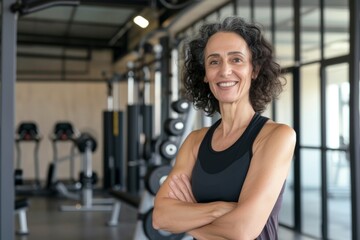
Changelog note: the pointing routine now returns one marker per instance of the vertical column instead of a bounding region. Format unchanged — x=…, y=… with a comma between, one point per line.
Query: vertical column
x=7, y=101
x=157, y=91
x=296, y=91
x=273, y=42
x=165, y=79
x=133, y=133
x=354, y=7
x=133, y=173
x=113, y=149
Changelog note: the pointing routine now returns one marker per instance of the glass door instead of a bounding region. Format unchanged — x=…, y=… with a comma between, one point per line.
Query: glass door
x=337, y=151
x=310, y=150
x=324, y=156
x=284, y=114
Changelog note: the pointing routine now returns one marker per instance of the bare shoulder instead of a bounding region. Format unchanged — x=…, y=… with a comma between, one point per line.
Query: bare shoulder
x=190, y=147
x=194, y=139
x=273, y=129
x=197, y=135
x=276, y=135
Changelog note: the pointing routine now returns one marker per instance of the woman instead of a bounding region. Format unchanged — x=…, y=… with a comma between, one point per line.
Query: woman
x=228, y=180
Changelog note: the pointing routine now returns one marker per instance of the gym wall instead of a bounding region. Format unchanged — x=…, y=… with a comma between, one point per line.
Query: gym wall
x=49, y=101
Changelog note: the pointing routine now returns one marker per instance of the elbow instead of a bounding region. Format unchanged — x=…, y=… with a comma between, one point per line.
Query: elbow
x=159, y=222
x=160, y=218
x=156, y=220
x=155, y=225
x=246, y=233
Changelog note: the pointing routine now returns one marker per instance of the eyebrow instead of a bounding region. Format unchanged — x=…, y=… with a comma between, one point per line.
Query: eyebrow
x=229, y=53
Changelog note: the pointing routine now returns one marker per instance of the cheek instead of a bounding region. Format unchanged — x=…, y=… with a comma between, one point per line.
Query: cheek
x=210, y=74
x=245, y=74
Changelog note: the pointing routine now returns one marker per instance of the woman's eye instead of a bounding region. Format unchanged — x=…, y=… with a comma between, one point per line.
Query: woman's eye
x=213, y=62
x=237, y=60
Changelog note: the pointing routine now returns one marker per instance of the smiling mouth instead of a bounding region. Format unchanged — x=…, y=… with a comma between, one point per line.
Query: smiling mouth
x=226, y=84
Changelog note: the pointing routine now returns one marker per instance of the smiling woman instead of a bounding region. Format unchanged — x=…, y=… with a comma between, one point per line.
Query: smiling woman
x=228, y=180
x=269, y=82
x=228, y=67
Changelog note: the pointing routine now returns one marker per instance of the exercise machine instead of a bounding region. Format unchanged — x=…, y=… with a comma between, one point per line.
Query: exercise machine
x=21, y=207
x=64, y=133
x=27, y=132
x=86, y=145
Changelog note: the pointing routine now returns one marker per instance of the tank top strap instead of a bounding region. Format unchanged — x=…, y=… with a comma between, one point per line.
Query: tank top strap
x=249, y=135
x=243, y=143
x=255, y=126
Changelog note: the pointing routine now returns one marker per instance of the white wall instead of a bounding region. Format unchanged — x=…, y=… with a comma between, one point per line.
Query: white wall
x=81, y=103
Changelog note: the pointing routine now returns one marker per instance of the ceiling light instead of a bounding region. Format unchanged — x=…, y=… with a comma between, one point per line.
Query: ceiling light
x=141, y=21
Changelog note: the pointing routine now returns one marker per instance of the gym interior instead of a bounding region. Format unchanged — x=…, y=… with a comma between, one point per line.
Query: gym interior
x=92, y=112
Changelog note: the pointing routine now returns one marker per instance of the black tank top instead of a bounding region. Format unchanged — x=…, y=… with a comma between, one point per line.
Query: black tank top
x=220, y=175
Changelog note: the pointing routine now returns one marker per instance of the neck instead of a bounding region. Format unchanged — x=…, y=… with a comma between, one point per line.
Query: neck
x=235, y=117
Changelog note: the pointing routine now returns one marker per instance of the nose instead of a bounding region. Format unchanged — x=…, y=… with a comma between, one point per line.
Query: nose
x=226, y=69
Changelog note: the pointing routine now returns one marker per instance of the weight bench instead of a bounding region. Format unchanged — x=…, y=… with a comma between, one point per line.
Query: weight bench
x=21, y=206
x=119, y=197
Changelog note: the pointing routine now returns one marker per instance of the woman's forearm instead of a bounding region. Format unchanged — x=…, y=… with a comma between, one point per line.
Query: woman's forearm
x=222, y=228
x=179, y=211
x=178, y=216
x=202, y=233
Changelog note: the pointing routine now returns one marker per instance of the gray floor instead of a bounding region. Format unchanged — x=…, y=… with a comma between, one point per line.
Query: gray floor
x=45, y=221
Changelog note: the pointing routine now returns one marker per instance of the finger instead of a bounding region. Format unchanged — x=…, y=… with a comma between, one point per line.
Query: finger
x=176, y=191
x=172, y=195
x=183, y=187
x=186, y=181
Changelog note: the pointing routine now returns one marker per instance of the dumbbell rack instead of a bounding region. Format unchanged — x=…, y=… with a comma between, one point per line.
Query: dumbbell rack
x=154, y=177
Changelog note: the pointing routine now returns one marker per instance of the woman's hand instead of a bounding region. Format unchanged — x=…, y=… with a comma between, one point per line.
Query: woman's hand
x=180, y=188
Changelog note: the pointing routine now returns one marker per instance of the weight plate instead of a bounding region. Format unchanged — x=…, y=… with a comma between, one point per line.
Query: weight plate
x=180, y=106
x=174, y=127
x=156, y=176
x=168, y=149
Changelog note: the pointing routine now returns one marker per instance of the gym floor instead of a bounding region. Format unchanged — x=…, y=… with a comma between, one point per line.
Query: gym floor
x=46, y=222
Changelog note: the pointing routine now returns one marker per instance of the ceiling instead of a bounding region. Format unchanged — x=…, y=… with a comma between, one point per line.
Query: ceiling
x=59, y=29
x=89, y=23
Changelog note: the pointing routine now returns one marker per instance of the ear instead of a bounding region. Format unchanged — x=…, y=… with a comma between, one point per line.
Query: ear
x=205, y=80
x=255, y=73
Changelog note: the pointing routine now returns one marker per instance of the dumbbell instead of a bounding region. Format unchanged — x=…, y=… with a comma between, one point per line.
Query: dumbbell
x=155, y=176
x=180, y=106
x=168, y=149
x=174, y=126
x=154, y=234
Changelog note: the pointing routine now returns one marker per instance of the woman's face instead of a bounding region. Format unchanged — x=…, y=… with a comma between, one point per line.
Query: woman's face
x=228, y=67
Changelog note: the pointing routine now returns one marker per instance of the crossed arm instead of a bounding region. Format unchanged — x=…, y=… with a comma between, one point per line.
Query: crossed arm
x=180, y=190
x=176, y=210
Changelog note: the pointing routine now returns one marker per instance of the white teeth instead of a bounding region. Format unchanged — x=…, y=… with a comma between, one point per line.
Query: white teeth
x=227, y=84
